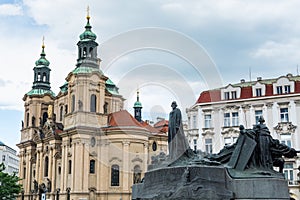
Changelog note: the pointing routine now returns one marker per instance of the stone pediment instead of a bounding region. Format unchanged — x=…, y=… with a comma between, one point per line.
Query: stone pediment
x=285, y=127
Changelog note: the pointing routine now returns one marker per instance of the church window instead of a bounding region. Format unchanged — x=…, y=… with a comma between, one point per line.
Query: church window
x=24, y=172
x=92, y=166
x=84, y=52
x=70, y=167
x=93, y=103
x=46, y=167
x=45, y=117
x=91, y=52
x=39, y=77
x=27, y=119
x=136, y=174
x=59, y=170
x=154, y=146
x=66, y=109
x=115, y=172
x=73, y=103
x=61, y=113
x=44, y=77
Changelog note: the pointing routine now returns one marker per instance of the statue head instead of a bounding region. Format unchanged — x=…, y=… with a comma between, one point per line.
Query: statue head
x=174, y=104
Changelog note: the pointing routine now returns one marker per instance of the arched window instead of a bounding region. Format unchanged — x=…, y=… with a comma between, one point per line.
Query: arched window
x=136, y=174
x=39, y=77
x=61, y=112
x=44, y=77
x=27, y=119
x=91, y=52
x=70, y=167
x=46, y=166
x=73, y=103
x=84, y=52
x=45, y=117
x=115, y=172
x=92, y=166
x=93, y=103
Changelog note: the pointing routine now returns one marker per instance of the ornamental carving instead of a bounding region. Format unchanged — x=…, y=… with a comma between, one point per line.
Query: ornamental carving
x=285, y=127
x=208, y=132
x=229, y=130
x=137, y=159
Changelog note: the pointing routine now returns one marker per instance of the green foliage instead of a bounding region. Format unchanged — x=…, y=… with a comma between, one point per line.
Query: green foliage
x=10, y=188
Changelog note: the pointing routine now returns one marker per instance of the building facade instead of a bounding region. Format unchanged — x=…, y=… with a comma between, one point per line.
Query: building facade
x=9, y=158
x=80, y=143
x=213, y=121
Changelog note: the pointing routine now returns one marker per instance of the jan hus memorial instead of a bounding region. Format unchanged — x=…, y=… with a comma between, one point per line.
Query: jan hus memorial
x=241, y=171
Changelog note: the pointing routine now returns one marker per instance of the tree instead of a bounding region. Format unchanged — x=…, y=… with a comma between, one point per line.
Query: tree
x=9, y=186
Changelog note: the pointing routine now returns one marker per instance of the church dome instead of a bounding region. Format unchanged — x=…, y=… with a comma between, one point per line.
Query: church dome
x=88, y=34
x=137, y=104
x=42, y=60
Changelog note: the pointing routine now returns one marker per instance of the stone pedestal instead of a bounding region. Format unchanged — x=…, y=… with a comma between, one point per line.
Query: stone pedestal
x=206, y=182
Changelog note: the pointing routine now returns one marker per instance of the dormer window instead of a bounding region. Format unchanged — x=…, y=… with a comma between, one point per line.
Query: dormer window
x=287, y=89
x=226, y=95
x=233, y=95
x=279, y=89
x=258, y=92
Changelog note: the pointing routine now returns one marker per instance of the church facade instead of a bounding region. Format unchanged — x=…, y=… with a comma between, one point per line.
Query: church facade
x=81, y=143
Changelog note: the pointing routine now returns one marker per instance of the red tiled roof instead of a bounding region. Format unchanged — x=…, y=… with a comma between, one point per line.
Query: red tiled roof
x=162, y=126
x=149, y=127
x=269, y=89
x=297, y=86
x=246, y=92
x=122, y=118
x=209, y=96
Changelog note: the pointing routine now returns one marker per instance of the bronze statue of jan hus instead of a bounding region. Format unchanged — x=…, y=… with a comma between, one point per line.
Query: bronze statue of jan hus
x=255, y=149
x=177, y=141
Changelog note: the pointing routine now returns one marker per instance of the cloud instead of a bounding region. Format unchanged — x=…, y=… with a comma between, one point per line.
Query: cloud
x=279, y=50
x=10, y=10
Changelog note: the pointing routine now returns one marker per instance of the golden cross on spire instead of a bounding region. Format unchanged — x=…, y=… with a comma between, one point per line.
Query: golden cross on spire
x=88, y=13
x=43, y=45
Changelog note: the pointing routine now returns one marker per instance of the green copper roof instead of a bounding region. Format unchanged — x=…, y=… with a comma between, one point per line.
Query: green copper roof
x=40, y=92
x=85, y=70
x=88, y=35
x=109, y=82
x=113, y=91
x=64, y=87
x=137, y=104
x=111, y=87
x=42, y=60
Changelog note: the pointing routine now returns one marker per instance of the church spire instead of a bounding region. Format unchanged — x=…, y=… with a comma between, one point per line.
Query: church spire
x=138, y=107
x=87, y=46
x=41, y=82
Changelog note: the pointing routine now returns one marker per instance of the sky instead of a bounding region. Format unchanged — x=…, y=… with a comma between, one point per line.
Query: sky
x=168, y=49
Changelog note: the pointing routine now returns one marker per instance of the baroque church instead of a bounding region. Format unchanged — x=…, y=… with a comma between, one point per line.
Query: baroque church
x=81, y=143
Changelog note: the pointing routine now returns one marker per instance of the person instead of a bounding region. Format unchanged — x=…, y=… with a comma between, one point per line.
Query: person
x=177, y=143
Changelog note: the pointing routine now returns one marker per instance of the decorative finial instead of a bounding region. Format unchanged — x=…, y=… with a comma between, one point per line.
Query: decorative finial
x=88, y=13
x=43, y=45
